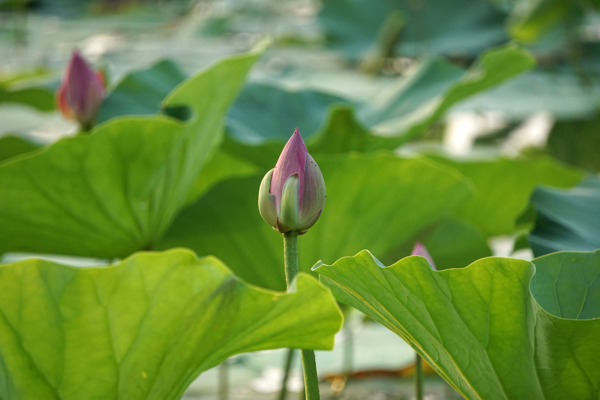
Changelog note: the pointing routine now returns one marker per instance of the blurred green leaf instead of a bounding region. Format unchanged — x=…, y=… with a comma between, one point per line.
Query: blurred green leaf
x=566, y=219
x=118, y=189
x=481, y=328
x=454, y=243
x=530, y=20
x=40, y=98
x=576, y=143
x=560, y=92
x=141, y=92
x=447, y=27
x=11, y=146
x=375, y=201
x=144, y=328
x=503, y=187
x=410, y=106
x=265, y=112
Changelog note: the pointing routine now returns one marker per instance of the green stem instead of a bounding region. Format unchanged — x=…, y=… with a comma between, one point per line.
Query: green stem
x=289, y=359
x=309, y=366
x=418, y=377
x=348, y=360
x=223, y=372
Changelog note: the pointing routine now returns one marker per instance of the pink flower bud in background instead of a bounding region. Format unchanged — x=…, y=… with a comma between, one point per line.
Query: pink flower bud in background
x=420, y=250
x=292, y=195
x=81, y=92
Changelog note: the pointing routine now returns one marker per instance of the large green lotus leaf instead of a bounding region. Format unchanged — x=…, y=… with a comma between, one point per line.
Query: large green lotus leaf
x=531, y=20
x=28, y=88
x=448, y=27
x=454, y=243
x=576, y=143
x=566, y=219
x=503, y=188
x=481, y=328
x=405, y=111
x=558, y=91
x=115, y=191
x=411, y=108
x=265, y=112
x=145, y=327
x=14, y=145
x=37, y=97
x=376, y=200
x=141, y=92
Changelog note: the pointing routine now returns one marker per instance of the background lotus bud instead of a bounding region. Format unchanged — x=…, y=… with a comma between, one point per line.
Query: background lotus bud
x=81, y=92
x=292, y=195
x=420, y=250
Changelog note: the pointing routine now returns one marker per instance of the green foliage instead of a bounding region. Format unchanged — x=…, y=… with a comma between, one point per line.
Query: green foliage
x=503, y=187
x=566, y=219
x=577, y=143
x=115, y=191
x=489, y=330
x=12, y=145
x=439, y=86
x=286, y=109
x=445, y=27
x=454, y=243
x=406, y=111
x=141, y=92
x=144, y=328
x=377, y=201
x=39, y=98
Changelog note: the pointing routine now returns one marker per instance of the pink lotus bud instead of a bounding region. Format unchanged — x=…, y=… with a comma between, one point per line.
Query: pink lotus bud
x=81, y=92
x=292, y=195
x=420, y=250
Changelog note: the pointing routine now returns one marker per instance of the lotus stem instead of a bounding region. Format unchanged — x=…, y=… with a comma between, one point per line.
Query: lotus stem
x=418, y=377
x=223, y=372
x=309, y=366
x=289, y=359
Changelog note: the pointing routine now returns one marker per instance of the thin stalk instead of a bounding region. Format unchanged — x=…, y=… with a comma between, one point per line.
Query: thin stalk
x=289, y=359
x=309, y=366
x=418, y=377
x=348, y=360
x=223, y=372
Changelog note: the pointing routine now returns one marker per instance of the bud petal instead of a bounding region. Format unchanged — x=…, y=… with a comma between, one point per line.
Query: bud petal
x=291, y=161
x=81, y=92
x=297, y=188
x=266, y=201
x=421, y=250
x=314, y=194
x=289, y=212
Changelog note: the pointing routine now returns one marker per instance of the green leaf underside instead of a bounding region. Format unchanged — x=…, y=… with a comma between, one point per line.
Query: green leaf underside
x=144, y=328
x=566, y=219
x=409, y=108
x=503, y=187
x=264, y=112
x=141, y=92
x=480, y=327
x=115, y=191
x=374, y=200
x=449, y=27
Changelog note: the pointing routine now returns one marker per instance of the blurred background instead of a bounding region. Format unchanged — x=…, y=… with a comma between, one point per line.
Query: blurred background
x=361, y=53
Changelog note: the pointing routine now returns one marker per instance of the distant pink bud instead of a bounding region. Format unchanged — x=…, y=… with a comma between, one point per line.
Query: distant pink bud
x=81, y=92
x=292, y=195
x=421, y=250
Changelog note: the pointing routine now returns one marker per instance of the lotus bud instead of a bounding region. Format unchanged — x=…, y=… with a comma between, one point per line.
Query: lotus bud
x=420, y=250
x=292, y=195
x=81, y=92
